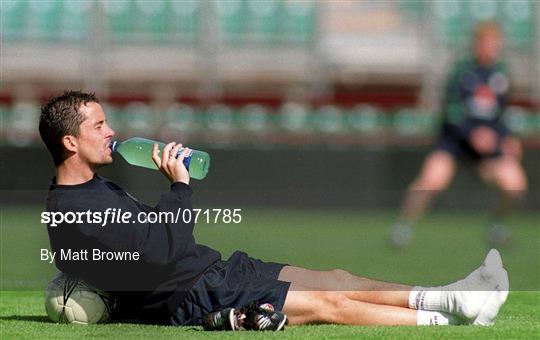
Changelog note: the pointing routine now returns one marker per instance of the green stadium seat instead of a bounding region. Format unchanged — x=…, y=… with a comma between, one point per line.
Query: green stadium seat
x=365, y=119
x=412, y=122
x=232, y=19
x=294, y=117
x=329, y=119
x=75, y=19
x=42, y=19
x=150, y=19
x=481, y=10
x=254, y=118
x=120, y=17
x=22, y=124
x=412, y=8
x=517, y=119
x=13, y=18
x=140, y=120
x=182, y=117
x=298, y=21
x=452, y=20
x=220, y=117
x=262, y=20
x=185, y=19
x=517, y=21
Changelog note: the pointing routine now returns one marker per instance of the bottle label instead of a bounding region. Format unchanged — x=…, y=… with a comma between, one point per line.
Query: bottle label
x=187, y=159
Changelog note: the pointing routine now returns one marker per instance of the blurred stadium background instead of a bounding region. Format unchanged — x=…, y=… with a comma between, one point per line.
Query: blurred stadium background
x=344, y=90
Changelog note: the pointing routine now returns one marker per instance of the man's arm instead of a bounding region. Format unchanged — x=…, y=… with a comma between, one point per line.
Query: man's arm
x=159, y=243
x=168, y=242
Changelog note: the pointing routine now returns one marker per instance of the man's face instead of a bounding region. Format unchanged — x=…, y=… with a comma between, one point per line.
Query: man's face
x=94, y=136
x=488, y=47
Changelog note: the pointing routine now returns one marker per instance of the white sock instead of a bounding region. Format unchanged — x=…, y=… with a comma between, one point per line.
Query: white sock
x=465, y=298
x=430, y=318
x=423, y=298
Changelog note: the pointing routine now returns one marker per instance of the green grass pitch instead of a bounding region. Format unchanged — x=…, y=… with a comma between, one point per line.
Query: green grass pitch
x=446, y=247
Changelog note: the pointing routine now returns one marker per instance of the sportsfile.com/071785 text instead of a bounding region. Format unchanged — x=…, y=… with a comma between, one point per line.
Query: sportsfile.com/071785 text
x=113, y=215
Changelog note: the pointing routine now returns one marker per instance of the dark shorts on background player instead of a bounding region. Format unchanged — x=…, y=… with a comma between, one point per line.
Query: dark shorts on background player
x=461, y=149
x=232, y=283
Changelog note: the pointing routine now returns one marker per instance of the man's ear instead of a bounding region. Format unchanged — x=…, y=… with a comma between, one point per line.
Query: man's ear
x=70, y=143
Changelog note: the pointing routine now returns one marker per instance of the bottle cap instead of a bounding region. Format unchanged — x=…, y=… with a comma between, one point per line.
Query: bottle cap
x=113, y=145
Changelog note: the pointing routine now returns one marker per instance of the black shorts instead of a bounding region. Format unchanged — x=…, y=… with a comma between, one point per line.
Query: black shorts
x=232, y=283
x=461, y=149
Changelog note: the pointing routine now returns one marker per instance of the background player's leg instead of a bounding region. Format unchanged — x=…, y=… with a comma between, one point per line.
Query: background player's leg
x=303, y=306
x=352, y=286
x=508, y=175
x=437, y=172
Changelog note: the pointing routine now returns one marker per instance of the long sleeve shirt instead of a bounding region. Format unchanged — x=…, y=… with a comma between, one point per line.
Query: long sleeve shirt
x=169, y=261
x=475, y=95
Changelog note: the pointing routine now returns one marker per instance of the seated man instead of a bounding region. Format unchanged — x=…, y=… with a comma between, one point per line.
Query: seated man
x=168, y=278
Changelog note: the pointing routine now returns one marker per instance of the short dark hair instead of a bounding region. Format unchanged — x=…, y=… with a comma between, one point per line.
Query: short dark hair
x=488, y=26
x=61, y=116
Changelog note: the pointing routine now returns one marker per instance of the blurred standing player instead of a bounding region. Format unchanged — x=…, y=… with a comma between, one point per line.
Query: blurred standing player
x=473, y=132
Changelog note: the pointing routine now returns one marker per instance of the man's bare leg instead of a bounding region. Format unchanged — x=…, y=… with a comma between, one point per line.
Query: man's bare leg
x=352, y=286
x=507, y=174
x=474, y=299
x=436, y=174
x=304, y=306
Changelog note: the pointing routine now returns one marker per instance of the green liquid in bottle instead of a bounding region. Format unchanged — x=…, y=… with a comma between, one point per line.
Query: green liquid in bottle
x=138, y=151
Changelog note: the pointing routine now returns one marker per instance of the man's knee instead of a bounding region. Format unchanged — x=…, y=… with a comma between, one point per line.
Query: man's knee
x=511, y=179
x=430, y=183
x=316, y=307
x=514, y=189
x=436, y=174
x=333, y=302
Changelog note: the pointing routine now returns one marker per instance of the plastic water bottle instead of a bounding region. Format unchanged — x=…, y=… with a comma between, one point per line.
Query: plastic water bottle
x=138, y=151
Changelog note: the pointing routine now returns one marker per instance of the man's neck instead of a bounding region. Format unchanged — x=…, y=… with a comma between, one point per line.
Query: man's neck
x=73, y=173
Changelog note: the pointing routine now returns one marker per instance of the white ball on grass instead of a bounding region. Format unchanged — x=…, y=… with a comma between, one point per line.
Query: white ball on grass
x=72, y=300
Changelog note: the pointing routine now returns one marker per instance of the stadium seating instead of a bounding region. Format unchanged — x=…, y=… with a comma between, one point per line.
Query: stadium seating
x=220, y=118
x=243, y=21
x=120, y=18
x=455, y=19
x=365, y=119
x=329, y=119
x=181, y=117
x=74, y=20
x=42, y=18
x=299, y=21
x=263, y=20
x=255, y=118
x=413, y=122
x=256, y=26
x=238, y=21
x=197, y=123
x=294, y=117
x=21, y=124
x=185, y=20
x=518, y=22
x=13, y=19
